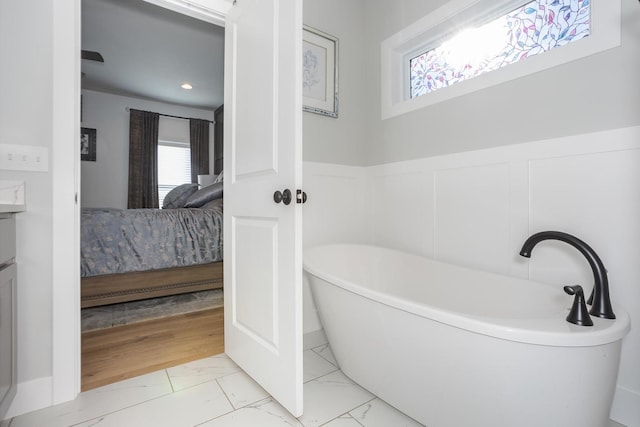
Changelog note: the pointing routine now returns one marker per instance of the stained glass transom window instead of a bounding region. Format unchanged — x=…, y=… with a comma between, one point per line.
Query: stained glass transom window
x=529, y=30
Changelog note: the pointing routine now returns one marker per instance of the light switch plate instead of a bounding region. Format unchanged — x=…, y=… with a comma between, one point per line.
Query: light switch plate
x=24, y=158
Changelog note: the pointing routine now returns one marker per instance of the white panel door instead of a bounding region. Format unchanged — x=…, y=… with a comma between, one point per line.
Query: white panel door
x=263, y=154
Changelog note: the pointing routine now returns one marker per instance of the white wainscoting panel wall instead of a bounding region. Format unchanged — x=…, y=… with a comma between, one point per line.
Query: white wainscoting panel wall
x=399, y=197
x=334, y=213
x=465, y=198
x=335, y=209
x=477, y=208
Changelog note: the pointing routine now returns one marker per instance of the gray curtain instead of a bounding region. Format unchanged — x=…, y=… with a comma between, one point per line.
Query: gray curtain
x=199, y=140
x=143, y=159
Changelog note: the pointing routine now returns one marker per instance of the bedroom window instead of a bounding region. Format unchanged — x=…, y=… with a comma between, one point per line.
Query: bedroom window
x=465, y=46
x=174, y=166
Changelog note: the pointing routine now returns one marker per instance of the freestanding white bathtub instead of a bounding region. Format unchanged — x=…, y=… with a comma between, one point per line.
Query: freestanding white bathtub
x=456, y=347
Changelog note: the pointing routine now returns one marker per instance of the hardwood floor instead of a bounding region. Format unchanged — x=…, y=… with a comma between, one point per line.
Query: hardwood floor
x=122, y=352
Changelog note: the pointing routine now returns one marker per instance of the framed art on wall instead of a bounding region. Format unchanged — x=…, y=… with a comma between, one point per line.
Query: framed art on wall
x=88, y=144
x=319, y=72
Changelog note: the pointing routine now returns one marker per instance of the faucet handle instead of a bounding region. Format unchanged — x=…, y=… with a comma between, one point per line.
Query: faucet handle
x=579, y=315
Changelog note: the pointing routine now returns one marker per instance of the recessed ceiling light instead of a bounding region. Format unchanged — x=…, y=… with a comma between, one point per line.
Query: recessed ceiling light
x=186, y=86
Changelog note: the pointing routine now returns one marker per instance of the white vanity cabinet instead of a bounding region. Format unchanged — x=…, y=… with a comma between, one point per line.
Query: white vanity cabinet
x=8, y=292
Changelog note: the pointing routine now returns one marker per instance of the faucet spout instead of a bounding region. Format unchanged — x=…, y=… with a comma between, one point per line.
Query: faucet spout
x=601, y=301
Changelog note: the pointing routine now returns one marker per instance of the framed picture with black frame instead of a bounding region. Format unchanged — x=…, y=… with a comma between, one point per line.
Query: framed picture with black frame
x=88, y=144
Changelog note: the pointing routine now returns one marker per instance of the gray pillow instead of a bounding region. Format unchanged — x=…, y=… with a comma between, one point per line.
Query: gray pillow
x=214, y=204
x=177, y=197
x=204, y=195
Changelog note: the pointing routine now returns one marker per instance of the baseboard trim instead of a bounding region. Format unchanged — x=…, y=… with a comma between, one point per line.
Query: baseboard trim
x=31, y=396
x=626, y=407
x=314, y=339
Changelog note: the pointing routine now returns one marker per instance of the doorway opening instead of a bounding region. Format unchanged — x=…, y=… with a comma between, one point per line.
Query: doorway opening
x=136, y=55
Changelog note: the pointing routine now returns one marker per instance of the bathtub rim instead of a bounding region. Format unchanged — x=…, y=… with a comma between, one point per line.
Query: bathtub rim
x=551, y=330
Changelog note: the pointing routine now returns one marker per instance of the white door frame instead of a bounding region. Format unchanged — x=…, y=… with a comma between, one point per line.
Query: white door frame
x=65, y=164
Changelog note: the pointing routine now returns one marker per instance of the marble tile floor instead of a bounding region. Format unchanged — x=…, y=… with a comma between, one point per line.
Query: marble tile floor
x=215, y=392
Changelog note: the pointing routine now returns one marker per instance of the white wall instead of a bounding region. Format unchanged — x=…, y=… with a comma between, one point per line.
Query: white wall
x=595, y=93
x=340, y=140
x=477, y=208
x=332, y=142
x=36, y=108
x=333, y=213
x=104, y=182
x=26, y=118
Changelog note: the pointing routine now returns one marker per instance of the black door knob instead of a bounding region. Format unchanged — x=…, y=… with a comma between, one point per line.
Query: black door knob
x=284, y=197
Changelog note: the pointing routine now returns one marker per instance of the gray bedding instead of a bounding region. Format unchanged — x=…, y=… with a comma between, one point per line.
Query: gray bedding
x=119, y=241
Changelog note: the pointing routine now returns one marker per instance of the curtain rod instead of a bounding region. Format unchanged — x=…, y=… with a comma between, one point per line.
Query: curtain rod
x=170, y=115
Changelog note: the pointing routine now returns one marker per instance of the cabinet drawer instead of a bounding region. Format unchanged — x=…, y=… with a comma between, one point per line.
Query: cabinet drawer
x=7, y=238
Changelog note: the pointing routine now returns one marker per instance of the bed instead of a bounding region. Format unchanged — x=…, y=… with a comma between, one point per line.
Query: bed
x=133, y=254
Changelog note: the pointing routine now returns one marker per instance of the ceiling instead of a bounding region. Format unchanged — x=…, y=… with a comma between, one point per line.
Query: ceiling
x=150, y=51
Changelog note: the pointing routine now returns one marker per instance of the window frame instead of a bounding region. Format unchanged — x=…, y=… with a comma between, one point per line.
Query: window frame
x=431, y=30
